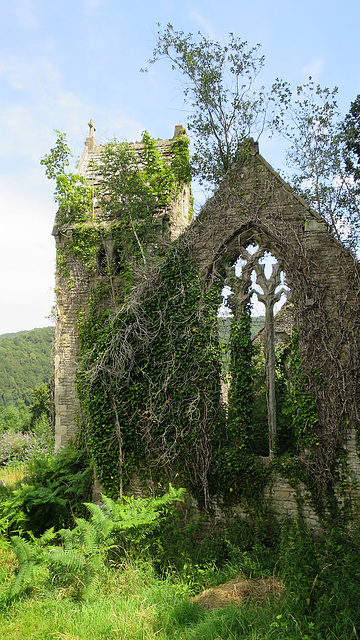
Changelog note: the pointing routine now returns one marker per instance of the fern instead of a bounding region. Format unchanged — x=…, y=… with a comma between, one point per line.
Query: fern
x=24, y=579
x=135, y=519
x=33, y=561
x=55, y=493
x=23, y=549
x=70, y=559
x=78, y=561
x=137, y=512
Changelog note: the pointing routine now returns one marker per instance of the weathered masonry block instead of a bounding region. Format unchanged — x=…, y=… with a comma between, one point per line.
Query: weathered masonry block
x=75, y=282
x=253, y=206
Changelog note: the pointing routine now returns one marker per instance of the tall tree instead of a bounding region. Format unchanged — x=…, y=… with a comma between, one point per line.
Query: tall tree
x=219, y=87
x=317, y=155
x=219, y=84
x=351, y=130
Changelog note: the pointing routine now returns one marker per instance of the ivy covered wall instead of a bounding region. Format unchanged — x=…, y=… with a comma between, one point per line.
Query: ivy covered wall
x=255, y=206
x=138, y=336
x=116, y=216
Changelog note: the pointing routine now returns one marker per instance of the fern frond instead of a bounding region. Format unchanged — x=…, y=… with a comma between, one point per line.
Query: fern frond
x=23, y=549
x=71, y=560
x=24, y=579
x=137, y=512
x=47, y=537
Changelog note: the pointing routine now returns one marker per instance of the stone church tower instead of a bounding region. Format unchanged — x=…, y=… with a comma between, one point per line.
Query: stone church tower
x=76, y=281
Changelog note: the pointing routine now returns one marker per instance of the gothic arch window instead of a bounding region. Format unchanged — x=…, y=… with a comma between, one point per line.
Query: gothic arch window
x=257, y=278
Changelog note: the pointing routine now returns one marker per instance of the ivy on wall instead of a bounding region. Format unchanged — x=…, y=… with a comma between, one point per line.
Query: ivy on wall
x=149, y=385
x=238, y=471
x=150, y=380
x=150, y=363
x=305, y=417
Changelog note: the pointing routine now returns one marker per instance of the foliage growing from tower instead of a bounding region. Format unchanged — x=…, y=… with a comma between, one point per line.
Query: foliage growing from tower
x=219, y=87
x=135, y=186
x=72, y=192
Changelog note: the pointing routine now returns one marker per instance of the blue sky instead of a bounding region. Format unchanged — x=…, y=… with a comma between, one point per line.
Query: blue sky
x=62, y=63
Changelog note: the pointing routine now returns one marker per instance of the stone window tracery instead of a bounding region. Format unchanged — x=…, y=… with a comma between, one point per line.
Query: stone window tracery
x=259, y=275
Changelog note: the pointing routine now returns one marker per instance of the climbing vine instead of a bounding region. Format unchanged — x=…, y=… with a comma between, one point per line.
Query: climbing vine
x=149, y=356
x=150, y=380
x=238, y=472
x=305, y=416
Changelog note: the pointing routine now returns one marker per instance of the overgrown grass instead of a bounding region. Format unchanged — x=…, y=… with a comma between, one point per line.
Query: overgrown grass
x=12, y=474
x=321, y=598
x=131, y=571
x=131, y=603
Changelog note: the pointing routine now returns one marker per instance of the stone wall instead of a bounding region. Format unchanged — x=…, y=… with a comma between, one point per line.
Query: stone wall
x=73, y=291
x=283, y=498
x=253, y=204
x=68, y=302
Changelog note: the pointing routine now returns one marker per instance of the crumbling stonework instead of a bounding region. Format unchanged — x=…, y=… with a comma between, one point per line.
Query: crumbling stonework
x=74, y=289
x=255, y=206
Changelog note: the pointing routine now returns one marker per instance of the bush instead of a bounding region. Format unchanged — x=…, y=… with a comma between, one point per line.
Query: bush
x=54, y=494
x=79, y=560
x=16, y=446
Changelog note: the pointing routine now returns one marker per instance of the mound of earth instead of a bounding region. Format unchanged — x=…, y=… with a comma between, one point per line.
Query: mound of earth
x=241, y=589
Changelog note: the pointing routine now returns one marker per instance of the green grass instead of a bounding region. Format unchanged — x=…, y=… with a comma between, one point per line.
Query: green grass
x=13, y=474
x=130, y=601
x=141, y=582
x=132, y=604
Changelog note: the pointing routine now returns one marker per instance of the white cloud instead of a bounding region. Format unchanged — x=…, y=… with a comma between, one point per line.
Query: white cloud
x=313, y=69
x=27, y=256
x=29, y=74
x=25, y=12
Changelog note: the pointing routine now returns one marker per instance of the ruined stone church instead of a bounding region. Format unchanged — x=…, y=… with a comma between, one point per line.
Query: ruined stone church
x=253, y=213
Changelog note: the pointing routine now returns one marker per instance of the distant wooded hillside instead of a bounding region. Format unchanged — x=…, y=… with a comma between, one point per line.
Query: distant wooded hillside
x=26, y=360
x=25, y=363
x=224, y=323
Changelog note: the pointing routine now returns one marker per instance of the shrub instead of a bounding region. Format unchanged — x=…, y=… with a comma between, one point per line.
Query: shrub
x=16, y=446
x=53, y=495
x=75, y=564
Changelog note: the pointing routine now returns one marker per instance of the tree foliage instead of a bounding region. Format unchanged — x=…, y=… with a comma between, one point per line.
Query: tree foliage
x=227, y=106
x=219, y=87
x=57, y=159
x=351, y=130
x=72, y=192
x=25, y=363
x=40, y=404
x=318, y=155
x=15, y=417
x=137, y=184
